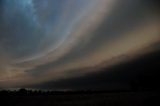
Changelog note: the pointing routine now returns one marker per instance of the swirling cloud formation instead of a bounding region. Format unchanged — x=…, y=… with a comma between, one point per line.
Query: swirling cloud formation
x=43, y=40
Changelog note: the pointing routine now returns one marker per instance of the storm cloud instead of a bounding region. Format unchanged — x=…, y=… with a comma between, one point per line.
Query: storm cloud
x=53, y=40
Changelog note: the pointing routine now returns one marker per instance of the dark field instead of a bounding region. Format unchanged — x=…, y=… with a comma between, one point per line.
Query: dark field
x=84, y=99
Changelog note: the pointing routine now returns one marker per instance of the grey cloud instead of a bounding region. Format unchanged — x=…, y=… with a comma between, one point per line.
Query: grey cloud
x=126, y=16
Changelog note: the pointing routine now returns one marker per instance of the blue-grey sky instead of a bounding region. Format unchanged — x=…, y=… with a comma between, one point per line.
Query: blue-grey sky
x=45, y=40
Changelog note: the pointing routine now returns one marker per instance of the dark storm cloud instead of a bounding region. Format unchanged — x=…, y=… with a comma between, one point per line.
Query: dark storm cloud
x=126, y=16
x=142, y=71
x=69, y=42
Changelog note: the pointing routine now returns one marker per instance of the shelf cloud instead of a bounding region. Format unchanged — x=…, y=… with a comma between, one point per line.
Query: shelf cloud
x=45, y=40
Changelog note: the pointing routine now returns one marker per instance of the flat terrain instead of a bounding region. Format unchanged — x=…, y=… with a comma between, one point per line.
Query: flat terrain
x=85, y=99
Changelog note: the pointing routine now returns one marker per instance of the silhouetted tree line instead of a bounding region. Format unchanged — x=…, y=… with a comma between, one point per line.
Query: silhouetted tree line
x=25, y=92
x=136, y=85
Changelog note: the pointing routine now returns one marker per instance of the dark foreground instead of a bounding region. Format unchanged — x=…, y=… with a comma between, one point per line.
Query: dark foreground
x=84, y=99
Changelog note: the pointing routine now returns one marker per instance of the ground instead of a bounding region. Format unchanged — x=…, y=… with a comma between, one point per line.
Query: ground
x=85, y=99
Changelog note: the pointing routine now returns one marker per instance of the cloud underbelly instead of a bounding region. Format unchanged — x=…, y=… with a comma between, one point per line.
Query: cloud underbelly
x=46, y=39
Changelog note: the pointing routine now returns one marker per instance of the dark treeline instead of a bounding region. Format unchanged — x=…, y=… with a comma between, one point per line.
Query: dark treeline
x=26, y=92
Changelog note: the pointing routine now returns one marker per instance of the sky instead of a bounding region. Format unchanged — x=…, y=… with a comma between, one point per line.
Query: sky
x=60, y=42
